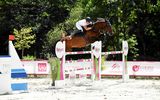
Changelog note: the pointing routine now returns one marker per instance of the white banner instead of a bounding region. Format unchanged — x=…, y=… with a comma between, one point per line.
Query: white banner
x=137, y=68
x=112, y=68
x=144, y=68
x=36, y=67
x=78, y=67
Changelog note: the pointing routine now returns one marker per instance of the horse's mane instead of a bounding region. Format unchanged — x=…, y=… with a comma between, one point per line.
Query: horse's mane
x=100, y=20
x=103, y=20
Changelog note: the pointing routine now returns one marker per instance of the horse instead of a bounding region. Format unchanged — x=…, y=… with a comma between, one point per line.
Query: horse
x=101, y=27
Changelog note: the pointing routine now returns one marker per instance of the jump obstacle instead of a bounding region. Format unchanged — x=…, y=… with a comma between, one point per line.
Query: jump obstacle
x=80, y=66
x=11, y=69
x=96, y=52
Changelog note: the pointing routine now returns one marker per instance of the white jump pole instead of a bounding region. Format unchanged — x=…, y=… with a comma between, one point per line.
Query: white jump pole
x=62, y=73
x=60, y=53
x=96, y=51
x=124, y=53
x=125, y=75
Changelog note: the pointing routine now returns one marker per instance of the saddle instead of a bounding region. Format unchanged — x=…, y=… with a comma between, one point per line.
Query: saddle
x=75, y=33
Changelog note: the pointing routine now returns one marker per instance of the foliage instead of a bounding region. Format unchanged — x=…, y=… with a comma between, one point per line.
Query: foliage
x=29, y=57
x=55, y=66
x=56, y=32
x=129, y=19
x=23, y=38
x=136, y=21
x=120, y=17
x=103, y=61
x=41, y=15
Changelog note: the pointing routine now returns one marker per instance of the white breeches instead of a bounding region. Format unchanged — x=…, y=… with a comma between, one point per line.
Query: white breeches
x=79, y=27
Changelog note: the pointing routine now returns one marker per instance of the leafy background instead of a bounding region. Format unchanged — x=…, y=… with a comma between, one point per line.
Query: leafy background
x=136, y=21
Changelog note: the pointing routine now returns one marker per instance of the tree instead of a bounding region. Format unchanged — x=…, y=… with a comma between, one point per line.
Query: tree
x=136, y=21
x=55, y=33
x=41, y=15
x=121, y=14
x=23, y=39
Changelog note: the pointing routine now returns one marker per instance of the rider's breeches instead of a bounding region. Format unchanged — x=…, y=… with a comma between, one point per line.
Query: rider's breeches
x=79, y=27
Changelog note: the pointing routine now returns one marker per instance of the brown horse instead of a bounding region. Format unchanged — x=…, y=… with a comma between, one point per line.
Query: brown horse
x=100, y=27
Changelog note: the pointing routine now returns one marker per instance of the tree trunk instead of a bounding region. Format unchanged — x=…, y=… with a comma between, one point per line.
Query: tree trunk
x=22, y=53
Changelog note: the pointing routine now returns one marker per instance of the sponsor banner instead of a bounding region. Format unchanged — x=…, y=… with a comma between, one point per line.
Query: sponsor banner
x=29, y=66
x=112, y=68
x=144, y=68
x=36, y=67
x=78, y=67
x=137, y=68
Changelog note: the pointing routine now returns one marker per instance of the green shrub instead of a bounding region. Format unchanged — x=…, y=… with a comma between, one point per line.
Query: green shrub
x=55, y=69
x=29, y=57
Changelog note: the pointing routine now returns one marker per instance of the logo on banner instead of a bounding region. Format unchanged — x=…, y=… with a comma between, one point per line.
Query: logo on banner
x=135, y=68
x=42, y=67
x=60, y=49
x=125, y=47
x=114, y=66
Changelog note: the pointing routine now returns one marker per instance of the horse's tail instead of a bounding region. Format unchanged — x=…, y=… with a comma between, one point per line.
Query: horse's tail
x=63, y=34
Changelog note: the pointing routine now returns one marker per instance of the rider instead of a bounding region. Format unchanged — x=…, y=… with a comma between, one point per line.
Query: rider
x=84, y=23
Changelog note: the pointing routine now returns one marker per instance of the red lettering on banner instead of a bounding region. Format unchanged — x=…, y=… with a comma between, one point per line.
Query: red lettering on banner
x=136, y=68
x=115, y=66
x=42, y=67
x=147, y=68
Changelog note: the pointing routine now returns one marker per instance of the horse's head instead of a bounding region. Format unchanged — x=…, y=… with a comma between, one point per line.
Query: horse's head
x=103, y=26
